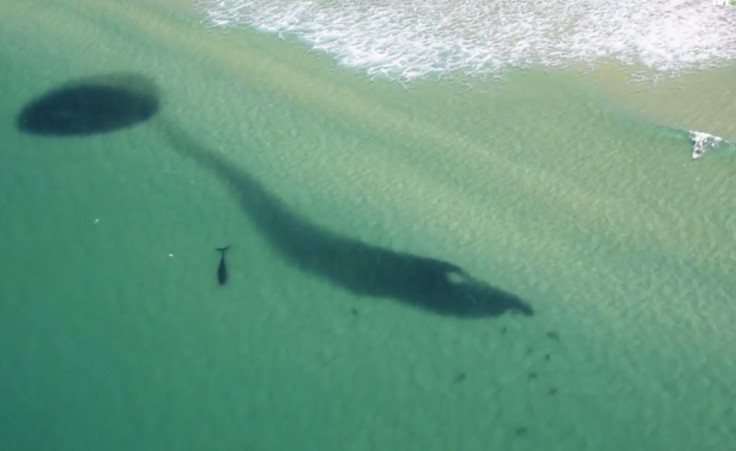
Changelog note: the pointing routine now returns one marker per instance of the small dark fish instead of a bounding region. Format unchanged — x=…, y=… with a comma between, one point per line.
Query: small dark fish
x=460, y=377
x=355, y=311
x=553, y=336
x=222, y=269
x=552, y=391
x=529, y=350
x=521, y=431
x=503, y=330
x=532, y=376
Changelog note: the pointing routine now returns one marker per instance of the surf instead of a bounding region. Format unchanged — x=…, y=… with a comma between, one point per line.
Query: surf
x=412, y=40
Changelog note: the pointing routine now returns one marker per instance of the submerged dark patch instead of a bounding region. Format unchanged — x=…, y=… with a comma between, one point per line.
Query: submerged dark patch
x=363, y=269
x=89, y=106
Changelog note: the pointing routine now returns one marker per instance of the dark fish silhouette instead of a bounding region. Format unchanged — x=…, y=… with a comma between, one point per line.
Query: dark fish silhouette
x=222, y=269
x=360, y=268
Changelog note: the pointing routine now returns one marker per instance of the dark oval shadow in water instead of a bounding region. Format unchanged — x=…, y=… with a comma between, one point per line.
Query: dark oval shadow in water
x=98, y=104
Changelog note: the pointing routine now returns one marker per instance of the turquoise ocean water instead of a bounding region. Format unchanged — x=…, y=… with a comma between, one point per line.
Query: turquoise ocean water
x=343, y=150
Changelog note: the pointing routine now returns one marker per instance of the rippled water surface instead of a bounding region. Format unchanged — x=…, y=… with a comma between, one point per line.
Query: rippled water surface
x=518, y=262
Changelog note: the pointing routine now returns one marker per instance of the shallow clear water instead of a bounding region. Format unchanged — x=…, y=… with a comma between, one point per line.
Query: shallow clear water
x=116, y=334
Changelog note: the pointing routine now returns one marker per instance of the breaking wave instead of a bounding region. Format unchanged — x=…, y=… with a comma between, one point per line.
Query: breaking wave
x=703, y=142
x=409, y=39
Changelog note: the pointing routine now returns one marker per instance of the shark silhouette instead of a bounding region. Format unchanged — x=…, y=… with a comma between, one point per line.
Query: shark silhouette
x=363, y=269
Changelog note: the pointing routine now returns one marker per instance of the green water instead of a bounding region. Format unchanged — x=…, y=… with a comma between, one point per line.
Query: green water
x=116, y=335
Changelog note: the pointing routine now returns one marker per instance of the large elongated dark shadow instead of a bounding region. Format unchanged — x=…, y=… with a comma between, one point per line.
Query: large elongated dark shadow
x=435, y=285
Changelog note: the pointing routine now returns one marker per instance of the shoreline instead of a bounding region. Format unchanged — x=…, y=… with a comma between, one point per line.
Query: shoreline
x=698, y=100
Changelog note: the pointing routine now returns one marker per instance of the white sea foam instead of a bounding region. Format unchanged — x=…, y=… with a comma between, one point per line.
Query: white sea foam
x=702, y=142
x=407, y=39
